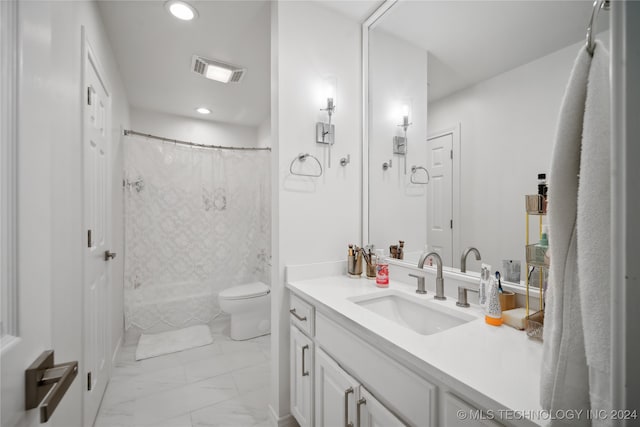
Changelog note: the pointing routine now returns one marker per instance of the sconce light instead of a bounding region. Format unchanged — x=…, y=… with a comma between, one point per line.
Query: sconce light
x=400, y=142
x=325, y=132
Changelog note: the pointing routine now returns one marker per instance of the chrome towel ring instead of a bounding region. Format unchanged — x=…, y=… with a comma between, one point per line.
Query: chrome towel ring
x=301, y=158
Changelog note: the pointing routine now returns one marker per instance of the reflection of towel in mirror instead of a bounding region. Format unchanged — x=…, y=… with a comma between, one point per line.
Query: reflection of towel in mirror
x=594, y=232
x=564, y=383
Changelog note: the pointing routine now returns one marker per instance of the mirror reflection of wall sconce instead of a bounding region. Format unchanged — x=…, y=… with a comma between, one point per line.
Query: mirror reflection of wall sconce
x=325, y=132
x=386, y=165
x=400, y=143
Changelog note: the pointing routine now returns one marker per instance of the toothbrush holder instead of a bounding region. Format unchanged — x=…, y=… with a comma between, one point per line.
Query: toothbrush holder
x=354, y=265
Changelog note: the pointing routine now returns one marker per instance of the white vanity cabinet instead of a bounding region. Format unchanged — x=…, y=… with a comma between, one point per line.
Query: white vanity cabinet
x=340, y=400
x=371, y=413
x=336, y=393
x=301, y=355
x=453, y=408
x=355, y=382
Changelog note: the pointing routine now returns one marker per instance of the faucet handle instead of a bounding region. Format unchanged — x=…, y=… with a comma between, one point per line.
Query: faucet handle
x=421, y=281
x=462, y=296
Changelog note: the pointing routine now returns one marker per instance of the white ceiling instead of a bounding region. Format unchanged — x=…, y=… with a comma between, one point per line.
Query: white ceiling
x=470, y=41
x=358, y=10
x=153, y=50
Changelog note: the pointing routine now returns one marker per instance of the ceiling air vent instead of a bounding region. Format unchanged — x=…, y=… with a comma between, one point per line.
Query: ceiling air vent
x=217, y=70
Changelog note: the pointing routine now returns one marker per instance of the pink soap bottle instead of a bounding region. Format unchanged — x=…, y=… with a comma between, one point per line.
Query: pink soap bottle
x=382, y=270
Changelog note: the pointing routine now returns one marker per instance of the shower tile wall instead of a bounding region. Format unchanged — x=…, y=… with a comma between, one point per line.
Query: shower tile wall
x=223, y=384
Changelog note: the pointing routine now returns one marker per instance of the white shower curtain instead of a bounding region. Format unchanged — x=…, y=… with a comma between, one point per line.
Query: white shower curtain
x=192, y=215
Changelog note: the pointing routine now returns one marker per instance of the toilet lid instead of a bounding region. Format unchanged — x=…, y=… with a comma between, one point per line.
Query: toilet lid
x=250, y=290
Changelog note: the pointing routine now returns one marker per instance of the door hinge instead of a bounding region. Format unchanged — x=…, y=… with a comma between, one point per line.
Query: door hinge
x=89, y=242
x=451, y=223
x=89, y=381
x=451, y=153
x=88, y=95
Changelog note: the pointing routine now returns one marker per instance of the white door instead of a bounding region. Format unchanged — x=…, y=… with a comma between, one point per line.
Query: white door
x=301, y=376
x=372, y=413
x=336, y=393
x=26, y=220
x=96, y=219
x=439, y=196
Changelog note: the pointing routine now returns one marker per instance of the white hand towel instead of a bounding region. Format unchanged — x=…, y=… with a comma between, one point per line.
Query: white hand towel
x=564, y=377
x=594, y=230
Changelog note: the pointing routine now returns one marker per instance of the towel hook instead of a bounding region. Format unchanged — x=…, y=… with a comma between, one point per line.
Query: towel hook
x=597, y=5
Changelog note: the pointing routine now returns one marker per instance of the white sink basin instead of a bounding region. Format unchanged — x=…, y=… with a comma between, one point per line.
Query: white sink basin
x=425, y=317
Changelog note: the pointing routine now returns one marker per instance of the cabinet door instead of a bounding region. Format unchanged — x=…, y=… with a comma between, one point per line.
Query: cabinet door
x=301, y=360
x=335, y=397
x=372, y=413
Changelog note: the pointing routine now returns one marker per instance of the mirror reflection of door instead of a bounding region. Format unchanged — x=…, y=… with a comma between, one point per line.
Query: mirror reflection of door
x=439, y=196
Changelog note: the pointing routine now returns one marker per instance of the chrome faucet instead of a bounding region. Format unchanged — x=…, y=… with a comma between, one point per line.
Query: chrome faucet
x=439, y=279
x=463, y=258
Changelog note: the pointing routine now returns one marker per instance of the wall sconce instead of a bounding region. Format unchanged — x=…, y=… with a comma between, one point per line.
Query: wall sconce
x=325, y=132
x=400, y=142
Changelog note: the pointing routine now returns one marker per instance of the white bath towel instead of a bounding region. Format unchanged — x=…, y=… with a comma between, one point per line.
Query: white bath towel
x=594, y=230
x=564, y=379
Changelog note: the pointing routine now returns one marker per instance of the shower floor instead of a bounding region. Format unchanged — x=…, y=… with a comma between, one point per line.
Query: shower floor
x=225, y=383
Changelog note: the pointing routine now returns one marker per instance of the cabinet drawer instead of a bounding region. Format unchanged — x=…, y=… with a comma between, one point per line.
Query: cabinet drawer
x=301, y=314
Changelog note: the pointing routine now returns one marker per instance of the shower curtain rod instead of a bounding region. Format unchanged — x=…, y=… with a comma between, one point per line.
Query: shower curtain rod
x=193, y=144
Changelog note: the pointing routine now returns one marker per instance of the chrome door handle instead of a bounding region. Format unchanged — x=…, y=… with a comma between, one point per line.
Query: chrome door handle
x=347, y=392
x=109, y=255
x=43, y=376
x=304, y=374
x=361, y=402
x=297, y=316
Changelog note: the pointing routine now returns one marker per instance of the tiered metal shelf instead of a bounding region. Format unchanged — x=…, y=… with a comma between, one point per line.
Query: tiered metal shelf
x=536, y=206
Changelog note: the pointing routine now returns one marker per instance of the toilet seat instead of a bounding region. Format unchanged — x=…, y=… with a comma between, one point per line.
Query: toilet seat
x=250, y=290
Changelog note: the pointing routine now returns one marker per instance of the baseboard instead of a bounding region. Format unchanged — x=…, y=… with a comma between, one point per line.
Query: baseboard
x=285, y=421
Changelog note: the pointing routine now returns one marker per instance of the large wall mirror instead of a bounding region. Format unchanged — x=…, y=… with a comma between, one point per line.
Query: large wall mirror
x=461, y=103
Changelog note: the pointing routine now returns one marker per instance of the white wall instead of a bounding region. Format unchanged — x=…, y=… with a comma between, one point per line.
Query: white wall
x=52, y=103
x=264, y=133
x=314, y=218
x=508, y=126
x=397, y=208
x=193, y=130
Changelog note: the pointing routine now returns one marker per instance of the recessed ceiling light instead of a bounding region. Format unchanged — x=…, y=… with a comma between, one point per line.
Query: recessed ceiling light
x=181, y=10
x=203, y=110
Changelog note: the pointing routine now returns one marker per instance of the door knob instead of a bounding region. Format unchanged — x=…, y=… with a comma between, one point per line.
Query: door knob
x=109, y=255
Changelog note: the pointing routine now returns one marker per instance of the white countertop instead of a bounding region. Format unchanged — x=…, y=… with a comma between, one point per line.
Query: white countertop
x=501, y=363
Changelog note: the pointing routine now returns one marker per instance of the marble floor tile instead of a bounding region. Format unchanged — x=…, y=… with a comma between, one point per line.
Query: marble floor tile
x=223, y=364
x=150, y=410
x=223, y=384
x=253, y=377
x=124, y=388
x=246, y=410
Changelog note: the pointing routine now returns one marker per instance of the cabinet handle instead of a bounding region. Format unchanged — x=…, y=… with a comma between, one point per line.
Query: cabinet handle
x=347, y=392
x=304, y=371
x=361, y=402
x=293, y=311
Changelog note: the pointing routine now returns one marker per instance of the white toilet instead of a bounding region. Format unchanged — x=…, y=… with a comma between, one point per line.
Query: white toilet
x=250, y=309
